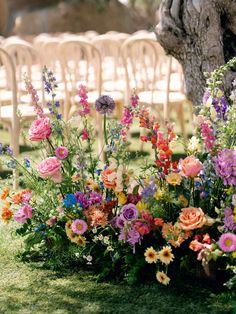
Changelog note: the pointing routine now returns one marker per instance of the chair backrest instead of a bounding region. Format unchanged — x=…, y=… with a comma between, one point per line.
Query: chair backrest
x=7, y=64
x=141, y=59
x=80, y=64
x=27, y=61
x=109, y=48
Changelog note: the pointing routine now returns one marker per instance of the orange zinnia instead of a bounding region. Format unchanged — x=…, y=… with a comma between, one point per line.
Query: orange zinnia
x=109, y=178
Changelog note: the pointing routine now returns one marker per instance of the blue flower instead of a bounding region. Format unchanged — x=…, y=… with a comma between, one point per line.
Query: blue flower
x=27, y=162
x=69, y=200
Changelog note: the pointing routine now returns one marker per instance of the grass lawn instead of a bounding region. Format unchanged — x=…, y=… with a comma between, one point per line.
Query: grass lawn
x=28, y=289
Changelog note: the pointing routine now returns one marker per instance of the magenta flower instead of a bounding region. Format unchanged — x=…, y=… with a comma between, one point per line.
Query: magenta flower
x=225, y=166
x=24, y=213
x=129, y=212
x=227, y=242
x=85, y=134
x=82, y=93
x=79, y=226
x=61, y=152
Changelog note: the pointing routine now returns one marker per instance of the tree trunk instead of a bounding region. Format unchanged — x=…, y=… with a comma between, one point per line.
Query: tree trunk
x=201, y=34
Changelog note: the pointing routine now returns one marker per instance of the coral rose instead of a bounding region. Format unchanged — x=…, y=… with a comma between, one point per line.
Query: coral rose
x=50, y=168
x=40, y=129
x=191, y=218
x=109, y=178
x=190, y=166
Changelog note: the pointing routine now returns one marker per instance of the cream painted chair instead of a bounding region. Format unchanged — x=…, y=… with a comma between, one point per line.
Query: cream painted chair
x=145, y=66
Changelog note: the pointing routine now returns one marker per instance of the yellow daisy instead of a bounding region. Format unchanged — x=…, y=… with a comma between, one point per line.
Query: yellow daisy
x=81, y=241
x=162, y=278
x=183, y=200
x=165, y=255
x=159, y=195
x=122, y=199
x=151, y=255
x=141, y=206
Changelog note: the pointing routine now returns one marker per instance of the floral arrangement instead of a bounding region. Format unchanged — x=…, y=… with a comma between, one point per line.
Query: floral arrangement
x=119, y=218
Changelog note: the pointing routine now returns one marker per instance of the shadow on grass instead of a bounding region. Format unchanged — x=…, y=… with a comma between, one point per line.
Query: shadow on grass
x=78, y=293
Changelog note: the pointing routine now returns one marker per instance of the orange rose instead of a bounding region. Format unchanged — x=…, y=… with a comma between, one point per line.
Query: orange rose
x=109, y=178
x=191, y=218
x=190, y=166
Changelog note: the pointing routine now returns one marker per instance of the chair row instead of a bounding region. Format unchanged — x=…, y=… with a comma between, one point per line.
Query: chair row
x=139, y=63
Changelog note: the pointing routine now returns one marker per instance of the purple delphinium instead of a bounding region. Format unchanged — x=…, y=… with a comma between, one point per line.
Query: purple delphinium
x=105, y=104
x=225, y=166
x=148, y=191
x=95, y=198
x=82, y=199
x=221, y=106
x=229, y=223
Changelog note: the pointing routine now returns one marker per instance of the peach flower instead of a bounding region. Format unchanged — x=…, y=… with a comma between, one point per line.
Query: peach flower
x=191, y=218
x=174, y=178
x=109, y=178
x=190, y=166
x=50, y=168
x=195, y=245
x=40, y=129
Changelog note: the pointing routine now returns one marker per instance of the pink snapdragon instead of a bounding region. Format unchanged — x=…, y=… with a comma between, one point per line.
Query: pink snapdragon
x=82, y=93
x=34, y=98
x=85, y=134
x=207, y=133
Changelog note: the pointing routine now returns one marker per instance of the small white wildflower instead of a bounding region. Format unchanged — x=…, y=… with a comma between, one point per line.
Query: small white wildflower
x=89, y=258
x=94, y=230
x=100, y=237
x=77, y=254
x=110, y=248
x=95, y=238
x=194, y=144
x=106, y=240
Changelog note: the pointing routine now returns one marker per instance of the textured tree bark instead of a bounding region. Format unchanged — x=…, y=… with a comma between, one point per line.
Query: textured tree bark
x=201, y=34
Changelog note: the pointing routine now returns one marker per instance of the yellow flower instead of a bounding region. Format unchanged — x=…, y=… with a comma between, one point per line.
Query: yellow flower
x=81, y=241
x=151, y=255
x=162, y=278
x=183, y=200
x=159, y=195
x=122, y=199
x=174, y=178
x=234, y=254
x=5, y=193
x=141, y=206
x=75, y=178
x=165, y=255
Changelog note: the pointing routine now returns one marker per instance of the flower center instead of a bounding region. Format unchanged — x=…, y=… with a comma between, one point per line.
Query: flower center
x=79, y=226
x=228, y=242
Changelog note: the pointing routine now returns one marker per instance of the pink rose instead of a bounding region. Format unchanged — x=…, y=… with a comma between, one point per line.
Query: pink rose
x=50, y=168
x=191, y=218
x=23, y=214
x=190, y=166
x=40, y=129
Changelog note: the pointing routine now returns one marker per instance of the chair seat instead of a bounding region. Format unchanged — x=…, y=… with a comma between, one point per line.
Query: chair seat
x=93, y=96
x=159, y=97
x=25, y=111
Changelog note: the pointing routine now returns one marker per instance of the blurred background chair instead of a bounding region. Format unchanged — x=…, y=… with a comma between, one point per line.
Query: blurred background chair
x=148, y=71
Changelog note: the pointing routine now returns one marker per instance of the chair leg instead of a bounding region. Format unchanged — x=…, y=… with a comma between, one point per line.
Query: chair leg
x=15, y=145
x=180, y=113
